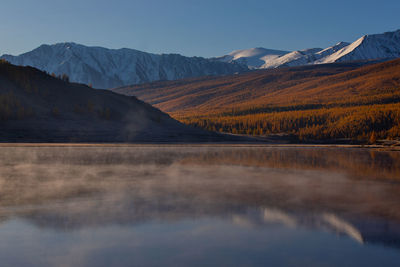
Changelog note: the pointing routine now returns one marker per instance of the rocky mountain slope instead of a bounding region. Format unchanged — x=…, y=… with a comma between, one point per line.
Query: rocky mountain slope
x=108, y=68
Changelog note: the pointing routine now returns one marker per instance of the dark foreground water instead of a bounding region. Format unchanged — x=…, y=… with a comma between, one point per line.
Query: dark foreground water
x=199, y=206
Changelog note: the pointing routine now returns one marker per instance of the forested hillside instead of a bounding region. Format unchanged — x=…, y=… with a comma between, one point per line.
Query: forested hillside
x=37, y=107
x=317, y=102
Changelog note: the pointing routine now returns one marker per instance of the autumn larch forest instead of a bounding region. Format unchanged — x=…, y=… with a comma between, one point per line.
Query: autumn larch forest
x=354, y=101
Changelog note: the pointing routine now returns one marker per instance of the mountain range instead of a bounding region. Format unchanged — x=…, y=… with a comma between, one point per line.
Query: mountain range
x=368, y=47
x=111, y=68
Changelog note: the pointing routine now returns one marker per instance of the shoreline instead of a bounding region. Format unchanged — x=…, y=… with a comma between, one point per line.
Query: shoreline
x=211, y=144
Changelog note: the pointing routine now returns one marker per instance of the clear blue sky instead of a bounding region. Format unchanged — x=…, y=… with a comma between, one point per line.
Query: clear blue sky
x=203, y=27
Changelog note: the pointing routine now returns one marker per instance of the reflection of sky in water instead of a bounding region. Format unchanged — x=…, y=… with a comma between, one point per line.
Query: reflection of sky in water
x=198, y=206
x=200, y=242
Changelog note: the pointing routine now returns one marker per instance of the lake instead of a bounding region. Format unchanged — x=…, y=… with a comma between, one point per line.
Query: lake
x=199, y=206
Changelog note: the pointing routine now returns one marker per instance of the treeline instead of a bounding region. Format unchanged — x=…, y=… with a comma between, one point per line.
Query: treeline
x=26, y=79
x=28, y=86
x=90, y=108
x=12, y=108
x=368, y=122
x=384, y=98
x=64, y=77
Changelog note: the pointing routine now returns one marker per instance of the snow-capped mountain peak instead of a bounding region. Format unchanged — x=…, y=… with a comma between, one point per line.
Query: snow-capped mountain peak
x=254, y=57
x=368, y=47
x=295, y=58
x=374, y=46
x=255, y=52
x=332, y=49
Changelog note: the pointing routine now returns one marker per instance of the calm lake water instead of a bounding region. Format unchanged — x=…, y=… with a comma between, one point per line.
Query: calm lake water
x=199, y=206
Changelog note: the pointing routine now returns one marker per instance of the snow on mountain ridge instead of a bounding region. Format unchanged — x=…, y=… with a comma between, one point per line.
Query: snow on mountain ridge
x=258, y=51
x=254, y=57
x=108, y=68
x=374, y=46
x=295, y=58
x=368, y=47
x=332, y=49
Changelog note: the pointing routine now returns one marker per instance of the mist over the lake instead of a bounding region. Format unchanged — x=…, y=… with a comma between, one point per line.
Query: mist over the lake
x=190, y=192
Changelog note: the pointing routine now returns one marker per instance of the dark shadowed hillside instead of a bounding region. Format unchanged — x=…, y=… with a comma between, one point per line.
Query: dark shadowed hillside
x=36, y=107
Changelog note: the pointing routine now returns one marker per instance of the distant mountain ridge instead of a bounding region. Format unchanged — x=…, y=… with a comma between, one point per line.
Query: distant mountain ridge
x=368, y=47
x=254, y=58
x=108, y=68
x=111, y=68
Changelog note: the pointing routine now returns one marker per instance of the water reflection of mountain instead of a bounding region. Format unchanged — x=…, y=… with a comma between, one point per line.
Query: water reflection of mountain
x=362, y=230
x=80, y=214
x=349, y=192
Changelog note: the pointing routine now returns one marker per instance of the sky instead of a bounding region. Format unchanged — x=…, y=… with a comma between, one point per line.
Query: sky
x=192, y=28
